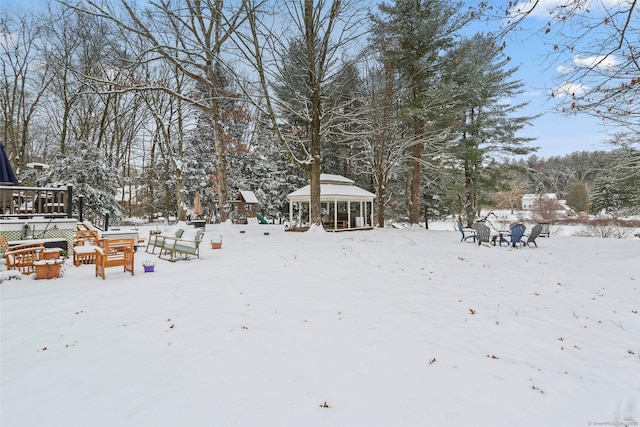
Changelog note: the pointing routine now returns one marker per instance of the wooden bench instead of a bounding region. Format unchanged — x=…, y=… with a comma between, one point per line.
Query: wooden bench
x=115, y=253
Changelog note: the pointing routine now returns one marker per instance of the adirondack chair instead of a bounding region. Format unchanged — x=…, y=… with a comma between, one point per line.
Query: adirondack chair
x=517, y=231
x=188, y=244
x=535, y=232
x=156, y=240
x=545, y=230
x=467, y=233
x=115, y=253
x=483, y=232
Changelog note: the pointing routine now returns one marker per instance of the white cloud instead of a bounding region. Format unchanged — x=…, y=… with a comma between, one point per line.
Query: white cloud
x=534, y=93
x=568, y=89
x=563, y=69
x=543, y=8
x=599, y=61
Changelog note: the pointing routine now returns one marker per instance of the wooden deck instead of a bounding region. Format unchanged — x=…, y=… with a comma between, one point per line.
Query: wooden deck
x=331, y=229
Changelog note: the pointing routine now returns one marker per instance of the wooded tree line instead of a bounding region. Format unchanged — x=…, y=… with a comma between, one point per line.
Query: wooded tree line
x=164, y=100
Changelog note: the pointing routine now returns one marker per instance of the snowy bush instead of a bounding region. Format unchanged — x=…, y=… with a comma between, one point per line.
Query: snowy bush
x=608, y=231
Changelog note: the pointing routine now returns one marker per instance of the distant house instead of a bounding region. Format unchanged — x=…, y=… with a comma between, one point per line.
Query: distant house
x=529, y=200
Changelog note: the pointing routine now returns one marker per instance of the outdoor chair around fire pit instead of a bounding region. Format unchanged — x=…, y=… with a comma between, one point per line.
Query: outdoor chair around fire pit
x=483, y=232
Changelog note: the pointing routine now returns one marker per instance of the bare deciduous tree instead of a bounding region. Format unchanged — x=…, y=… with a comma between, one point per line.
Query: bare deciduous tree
x=382, y=142
x=24, y=80
x=326, y=31
x=191, y=35
x=595, y=44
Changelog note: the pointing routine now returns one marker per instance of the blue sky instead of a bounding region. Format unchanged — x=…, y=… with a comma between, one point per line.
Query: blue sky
x=557, y=134
x=539, y=70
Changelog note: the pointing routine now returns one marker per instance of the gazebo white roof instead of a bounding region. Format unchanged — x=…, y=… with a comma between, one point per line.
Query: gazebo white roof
x=333, y=188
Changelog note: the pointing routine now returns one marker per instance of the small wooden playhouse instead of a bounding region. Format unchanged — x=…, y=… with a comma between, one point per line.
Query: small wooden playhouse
x=244, y=207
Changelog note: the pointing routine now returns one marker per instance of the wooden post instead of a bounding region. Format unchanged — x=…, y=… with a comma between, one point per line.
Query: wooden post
x=80, y=208
x=69, y=201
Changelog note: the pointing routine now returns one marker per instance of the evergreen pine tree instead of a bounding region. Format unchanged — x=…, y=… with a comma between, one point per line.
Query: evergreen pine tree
x=486, y=125
x=92, y=177
x=578, y=197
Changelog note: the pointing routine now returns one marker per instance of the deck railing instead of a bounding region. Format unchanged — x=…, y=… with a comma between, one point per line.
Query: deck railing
x=28, y=202
x=99, y=220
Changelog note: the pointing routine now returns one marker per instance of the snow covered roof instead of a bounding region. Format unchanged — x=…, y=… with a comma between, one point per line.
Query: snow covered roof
x=543, y=196
x=333, y=188
x=327, y=178
x=249, y=197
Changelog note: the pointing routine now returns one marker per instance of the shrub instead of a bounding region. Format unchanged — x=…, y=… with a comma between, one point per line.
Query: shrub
x=608, y=231
x=546, y=210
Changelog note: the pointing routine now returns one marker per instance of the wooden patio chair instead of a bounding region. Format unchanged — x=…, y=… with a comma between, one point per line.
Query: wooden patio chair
x=188, y=245
x=467, y=233
x=6, y=247
x=115, y=253
x=22, y=259
x=84, y=247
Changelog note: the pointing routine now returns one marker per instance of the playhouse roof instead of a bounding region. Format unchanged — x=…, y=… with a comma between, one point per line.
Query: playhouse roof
x=248, y=197
x=333, y=188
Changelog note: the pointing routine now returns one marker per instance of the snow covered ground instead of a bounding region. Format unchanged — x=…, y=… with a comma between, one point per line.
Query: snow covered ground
x=389, y=327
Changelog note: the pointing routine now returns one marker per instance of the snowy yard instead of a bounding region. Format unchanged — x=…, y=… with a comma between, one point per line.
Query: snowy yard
x=389, y=327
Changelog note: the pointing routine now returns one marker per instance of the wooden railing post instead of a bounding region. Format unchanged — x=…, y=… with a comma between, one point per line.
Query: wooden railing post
x=69, y=201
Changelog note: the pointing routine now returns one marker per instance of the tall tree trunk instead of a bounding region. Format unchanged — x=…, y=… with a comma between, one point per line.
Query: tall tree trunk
x=381, y=196
x=315, y=210
x=469, y=199
x=416, y=174
x=182, y=214
x=221, y=162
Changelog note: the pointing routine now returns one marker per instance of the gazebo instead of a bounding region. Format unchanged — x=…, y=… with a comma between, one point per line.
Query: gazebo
x=344, y=205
